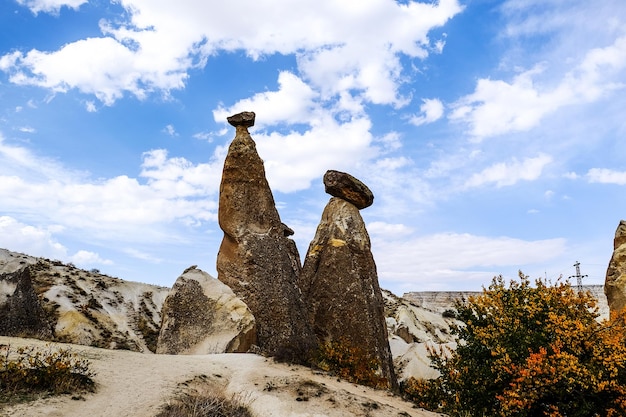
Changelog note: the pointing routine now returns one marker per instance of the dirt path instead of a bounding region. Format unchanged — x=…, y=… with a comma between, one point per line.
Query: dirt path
x=138, y=385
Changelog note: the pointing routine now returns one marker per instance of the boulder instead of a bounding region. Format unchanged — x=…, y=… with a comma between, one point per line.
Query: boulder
x=340, y=283
x=615, y=283
x=201, y=315
x=256, y=258
x=345, y=186
x=21, y=312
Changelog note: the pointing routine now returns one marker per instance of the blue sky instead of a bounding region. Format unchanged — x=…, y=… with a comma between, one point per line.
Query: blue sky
x=492, y=133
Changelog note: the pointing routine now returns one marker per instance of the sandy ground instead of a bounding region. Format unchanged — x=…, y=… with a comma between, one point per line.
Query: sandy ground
x=139, y=385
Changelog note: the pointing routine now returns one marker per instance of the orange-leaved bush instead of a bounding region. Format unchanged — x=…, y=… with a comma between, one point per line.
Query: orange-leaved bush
x=351, y=363
x=529, y=350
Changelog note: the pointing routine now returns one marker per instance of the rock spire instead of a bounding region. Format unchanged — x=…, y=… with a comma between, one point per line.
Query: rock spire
x=339, y=278
x=21, y=313
x=615, y=283
x=256, y=258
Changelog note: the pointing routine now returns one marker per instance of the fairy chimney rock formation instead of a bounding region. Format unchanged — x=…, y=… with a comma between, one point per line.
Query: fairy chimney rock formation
x=345, y=186
x=615, y=283
x=201, y=315
x=340, y=285
x=256, y=258
x=21, y=312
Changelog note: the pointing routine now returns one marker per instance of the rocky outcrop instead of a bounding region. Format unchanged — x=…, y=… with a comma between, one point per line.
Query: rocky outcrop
x=340, y=284
x=444, y=301
x=201, y=315
x=412, y=331
x=21, y=313
x=615, y=283
x=256, y=258
x=345, y=186
x=84, y=307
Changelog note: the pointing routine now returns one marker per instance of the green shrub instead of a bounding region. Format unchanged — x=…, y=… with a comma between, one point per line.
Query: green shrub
x=351, y=363
x=27, y=371
x=449, y=314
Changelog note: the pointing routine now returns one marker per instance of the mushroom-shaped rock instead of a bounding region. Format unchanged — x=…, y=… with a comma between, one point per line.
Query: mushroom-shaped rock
x=340, y=285
x=615, y=283
x=244, y=119
x=345, y=186
x=256, y=258
x=201, y=315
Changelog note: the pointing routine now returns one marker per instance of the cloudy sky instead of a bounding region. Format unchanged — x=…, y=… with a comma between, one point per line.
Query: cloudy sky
x=492, y=133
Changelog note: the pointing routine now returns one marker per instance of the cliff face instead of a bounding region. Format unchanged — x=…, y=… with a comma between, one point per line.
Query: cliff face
x=440, y=301
x=83, y=307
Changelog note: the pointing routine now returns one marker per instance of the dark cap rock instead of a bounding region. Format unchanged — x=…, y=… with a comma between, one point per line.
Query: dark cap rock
x=245, y=119
x=345, y=186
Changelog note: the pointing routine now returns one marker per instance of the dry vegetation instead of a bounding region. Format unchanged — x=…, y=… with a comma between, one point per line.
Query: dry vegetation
x=26, y=373
x=202, y=400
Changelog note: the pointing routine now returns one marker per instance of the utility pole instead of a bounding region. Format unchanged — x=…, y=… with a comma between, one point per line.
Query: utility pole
x=579, y=278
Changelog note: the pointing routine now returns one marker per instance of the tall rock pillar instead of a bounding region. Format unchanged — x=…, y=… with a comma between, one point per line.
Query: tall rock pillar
x=615, y=283
x=339, y=278
x=256, y=259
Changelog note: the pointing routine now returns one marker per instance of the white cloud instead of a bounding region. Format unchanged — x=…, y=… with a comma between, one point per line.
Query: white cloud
x=86, y=258
x=104, y=67
x=18, y=161
x=51, y=6
x=90, y=106
x=340, y=47
x=169, y=191
x=497, y=107
x=503, y=174
x=292, y=160
x=27, y=129
x=606, y=176
x=388, y=230
x=35, y=241
x=466, y=260
x=170, y=130
x=293, y=102
x=40, y=241
x=142, y=255
x=431, y=110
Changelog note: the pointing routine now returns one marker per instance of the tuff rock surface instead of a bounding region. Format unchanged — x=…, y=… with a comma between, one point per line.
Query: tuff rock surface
x=21, y=313
x=82, y=307
x=345, y=186
x=412, y=331
x=340, y=285
x=201, y=315
x=256, y=259
x=615, y=283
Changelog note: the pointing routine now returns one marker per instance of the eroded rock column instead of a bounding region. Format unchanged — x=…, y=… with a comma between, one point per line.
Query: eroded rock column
x=339, y=278
x=615, y=283
x=257, y=259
